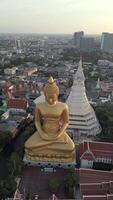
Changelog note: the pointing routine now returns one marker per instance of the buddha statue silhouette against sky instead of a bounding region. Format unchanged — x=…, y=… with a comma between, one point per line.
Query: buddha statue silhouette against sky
x=50, y=142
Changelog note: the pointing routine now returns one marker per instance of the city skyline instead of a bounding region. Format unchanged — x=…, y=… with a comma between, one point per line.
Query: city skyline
x=56, y=16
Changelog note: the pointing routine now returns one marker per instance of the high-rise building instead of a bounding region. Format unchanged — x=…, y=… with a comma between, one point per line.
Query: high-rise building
x=87, y=44
x=77, y=38
x=107, y=42
x=83, y=43
x=18, y=46
x=82, y=118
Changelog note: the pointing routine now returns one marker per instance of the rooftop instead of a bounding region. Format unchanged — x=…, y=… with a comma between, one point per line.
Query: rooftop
x=95, y=184
x=17, y=103
x=96, y=149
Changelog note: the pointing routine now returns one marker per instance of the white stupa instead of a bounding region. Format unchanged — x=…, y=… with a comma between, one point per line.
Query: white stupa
x=82, y=119
x=98, y=85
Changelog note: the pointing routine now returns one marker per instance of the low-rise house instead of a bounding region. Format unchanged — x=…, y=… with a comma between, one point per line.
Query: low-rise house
x=10, y=71
x=17, y=105
x=105, y=63
x=29, y=71
x=8, y=88
x=5, y=116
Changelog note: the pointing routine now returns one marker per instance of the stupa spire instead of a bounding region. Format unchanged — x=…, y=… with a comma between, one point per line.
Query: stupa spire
x=79, y=76
x=82, y=116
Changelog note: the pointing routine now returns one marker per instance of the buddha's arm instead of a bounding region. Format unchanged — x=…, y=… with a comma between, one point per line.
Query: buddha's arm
x=65, y=116
x=42, y=134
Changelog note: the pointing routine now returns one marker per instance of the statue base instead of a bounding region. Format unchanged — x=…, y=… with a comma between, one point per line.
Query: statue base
x=49, y=164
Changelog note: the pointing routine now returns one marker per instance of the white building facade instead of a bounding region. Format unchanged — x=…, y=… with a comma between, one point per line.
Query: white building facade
x=10, y=71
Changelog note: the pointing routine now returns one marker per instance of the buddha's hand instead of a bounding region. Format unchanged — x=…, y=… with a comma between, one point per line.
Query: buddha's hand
x=49, y=137
x=62, y=130
x=43, y=135
x=53, y=137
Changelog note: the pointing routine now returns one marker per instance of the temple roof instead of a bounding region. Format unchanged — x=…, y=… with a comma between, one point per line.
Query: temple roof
x=95, y=184
x=95, y=150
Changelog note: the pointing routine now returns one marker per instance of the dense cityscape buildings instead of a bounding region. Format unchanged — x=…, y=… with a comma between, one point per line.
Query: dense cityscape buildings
x=86, y=85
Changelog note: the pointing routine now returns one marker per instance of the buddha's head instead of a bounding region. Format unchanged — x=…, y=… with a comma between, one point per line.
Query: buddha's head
x=51, y=91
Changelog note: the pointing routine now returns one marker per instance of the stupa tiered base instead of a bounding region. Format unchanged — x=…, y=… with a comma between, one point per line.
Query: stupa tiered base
x=50, y=162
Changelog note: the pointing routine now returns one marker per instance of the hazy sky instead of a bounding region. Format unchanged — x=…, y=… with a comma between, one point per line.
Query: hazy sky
x=56, y=16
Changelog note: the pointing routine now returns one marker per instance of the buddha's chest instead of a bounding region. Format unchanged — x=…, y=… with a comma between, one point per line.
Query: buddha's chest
x=55, y=111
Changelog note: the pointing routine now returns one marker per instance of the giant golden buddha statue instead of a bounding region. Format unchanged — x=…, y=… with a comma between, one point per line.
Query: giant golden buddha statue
x=50, y=142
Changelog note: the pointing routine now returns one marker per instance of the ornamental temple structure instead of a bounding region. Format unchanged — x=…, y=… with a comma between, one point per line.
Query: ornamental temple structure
x=82, y=118
x=50, y=143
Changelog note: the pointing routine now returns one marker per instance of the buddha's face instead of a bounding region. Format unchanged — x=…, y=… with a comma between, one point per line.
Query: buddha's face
x=51, y=98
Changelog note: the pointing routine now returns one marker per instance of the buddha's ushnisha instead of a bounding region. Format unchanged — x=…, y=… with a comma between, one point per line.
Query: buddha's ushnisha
x=51, y=142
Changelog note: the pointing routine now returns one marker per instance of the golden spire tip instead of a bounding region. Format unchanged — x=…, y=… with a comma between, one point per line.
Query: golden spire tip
x=51, y=80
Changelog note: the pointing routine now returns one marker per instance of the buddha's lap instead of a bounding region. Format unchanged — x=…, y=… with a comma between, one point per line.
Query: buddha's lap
x=36, y=142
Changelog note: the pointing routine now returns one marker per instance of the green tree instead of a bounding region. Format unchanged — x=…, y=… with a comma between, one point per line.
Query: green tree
x=5, y=138
x=53, y=185
x=71, y=180
x=105, y=116
x=28, y=196
x=15, y=164
x=7, y=187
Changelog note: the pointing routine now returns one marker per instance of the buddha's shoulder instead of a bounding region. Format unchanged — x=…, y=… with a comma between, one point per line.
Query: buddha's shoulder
x=59, y=104
x=63, y=105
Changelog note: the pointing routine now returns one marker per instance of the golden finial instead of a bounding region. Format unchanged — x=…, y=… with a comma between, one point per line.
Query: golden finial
x=51, y=80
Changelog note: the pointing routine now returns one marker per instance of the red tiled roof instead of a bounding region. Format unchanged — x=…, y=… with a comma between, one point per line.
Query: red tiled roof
x=17, y=103
x=110, y=197
x=111, y=183
x=87, y=156
x=19, y=93
x=98, y=149
x=91, y=186
x=95, y=189
x=95, y=176
x=94, y=192
x=7, y=83
x=95, y=182
x=98, y=197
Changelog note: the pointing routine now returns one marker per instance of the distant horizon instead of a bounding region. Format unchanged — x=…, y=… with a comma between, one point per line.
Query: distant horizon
x=56, y=16
x=38, y=33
